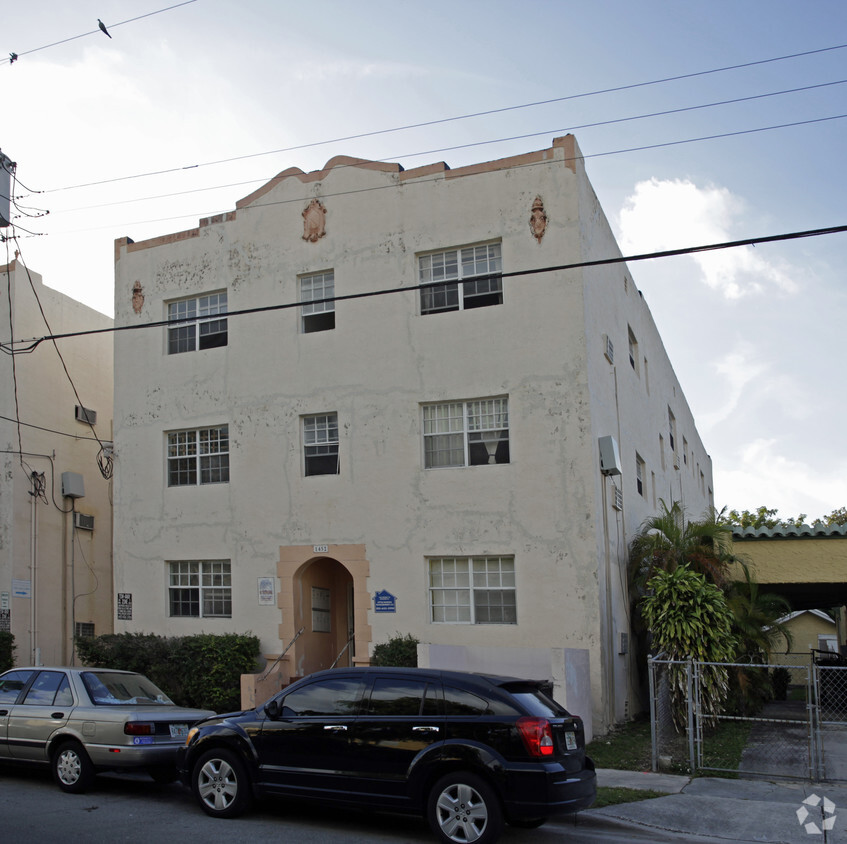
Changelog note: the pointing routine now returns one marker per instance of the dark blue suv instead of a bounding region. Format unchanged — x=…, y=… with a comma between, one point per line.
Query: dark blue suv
x=468, y=751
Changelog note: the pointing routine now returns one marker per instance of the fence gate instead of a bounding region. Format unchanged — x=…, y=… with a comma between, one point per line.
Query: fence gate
x=804, y=737
x=831, y=718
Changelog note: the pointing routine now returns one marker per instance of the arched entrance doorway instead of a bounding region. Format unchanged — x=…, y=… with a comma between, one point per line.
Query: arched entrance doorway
x=323, y=591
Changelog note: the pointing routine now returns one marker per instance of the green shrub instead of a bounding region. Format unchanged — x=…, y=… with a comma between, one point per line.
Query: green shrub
x=7, y=651
x=401, y=651
x=749, y=690
x=203, y=671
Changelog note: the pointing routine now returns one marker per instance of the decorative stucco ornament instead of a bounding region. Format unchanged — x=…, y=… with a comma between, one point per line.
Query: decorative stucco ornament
x=314, y=221
x=538, y=219
x=137, y=297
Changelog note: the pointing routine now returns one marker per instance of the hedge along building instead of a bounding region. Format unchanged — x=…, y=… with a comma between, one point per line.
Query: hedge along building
x=299, y=448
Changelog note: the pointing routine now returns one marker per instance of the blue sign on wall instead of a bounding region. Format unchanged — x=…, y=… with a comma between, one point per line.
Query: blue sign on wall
x=384, y=601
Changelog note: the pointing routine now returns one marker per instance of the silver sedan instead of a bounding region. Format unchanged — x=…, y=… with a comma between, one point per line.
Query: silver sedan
x=81, y=721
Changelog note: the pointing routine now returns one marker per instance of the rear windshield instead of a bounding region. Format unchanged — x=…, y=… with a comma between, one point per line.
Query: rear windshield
x=112, y=689
x=535, y=702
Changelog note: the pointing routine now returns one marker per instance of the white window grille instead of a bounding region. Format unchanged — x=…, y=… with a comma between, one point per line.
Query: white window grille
x=320, y=444
x=459, y=279
x=202, y=324
x=200, y=589
x=472, y=590
x=469, y=433
x=198, y=456
x=315, y=314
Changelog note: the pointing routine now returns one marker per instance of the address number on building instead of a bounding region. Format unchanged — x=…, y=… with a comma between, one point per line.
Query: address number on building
x=320, y=549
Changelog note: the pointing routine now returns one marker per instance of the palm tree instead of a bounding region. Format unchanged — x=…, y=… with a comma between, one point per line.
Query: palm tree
x=756, y=618
x=668, y=540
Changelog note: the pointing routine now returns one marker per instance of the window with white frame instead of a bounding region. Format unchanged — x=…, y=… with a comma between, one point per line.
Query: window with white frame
x=459, y=279
x=633, y=350
x=672, y=431
x=472, y=590
x=202, y=324
x=639, y=475
x=200, y=589
x=466, y=433
x=315, y=314
x=320, y=444
x=199, y=456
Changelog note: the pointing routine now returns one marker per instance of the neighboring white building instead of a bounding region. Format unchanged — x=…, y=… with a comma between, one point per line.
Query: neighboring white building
x=425, y=460
x=55, y=537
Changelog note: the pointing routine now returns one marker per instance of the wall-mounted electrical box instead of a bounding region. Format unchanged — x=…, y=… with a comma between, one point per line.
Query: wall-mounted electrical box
x=73, y=485
x=610, y=457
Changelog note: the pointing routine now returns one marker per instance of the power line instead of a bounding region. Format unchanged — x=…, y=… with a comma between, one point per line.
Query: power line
x=374, y=133
x=646, y=256
x=13, y=57
x=104, y=458
x=49, y=430
x=565, y=130
x=659, y=145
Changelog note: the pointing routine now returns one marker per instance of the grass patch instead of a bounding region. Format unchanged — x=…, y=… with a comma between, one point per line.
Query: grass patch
x=723, y=746
x=613, y=796
x=626, y=747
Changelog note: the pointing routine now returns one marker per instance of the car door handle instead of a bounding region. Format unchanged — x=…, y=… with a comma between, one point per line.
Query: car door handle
x=335, y=728
x=57, y=714
x=424, y=729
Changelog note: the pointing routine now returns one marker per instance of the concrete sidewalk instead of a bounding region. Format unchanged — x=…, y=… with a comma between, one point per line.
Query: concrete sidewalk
x=727, y=809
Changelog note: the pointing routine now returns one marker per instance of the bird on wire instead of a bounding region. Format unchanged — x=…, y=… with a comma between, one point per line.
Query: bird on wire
x=103, y=27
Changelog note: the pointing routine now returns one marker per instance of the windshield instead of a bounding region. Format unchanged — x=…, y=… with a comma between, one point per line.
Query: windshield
x=113, y=688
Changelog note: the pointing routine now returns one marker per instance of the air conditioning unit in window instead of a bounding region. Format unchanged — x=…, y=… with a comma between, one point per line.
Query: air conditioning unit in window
x=608, y=348
x=85, y=414
x=617, y=501
x=83, y=522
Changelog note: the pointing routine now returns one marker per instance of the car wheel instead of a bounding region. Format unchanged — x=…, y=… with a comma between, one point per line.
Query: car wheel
x=163, y=774
x=72, y=769
x=462, y=807
x=220, y=784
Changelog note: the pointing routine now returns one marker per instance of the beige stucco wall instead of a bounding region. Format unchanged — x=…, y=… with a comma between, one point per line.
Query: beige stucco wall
x=73, y=572
x=542, y=348
x=802, y=559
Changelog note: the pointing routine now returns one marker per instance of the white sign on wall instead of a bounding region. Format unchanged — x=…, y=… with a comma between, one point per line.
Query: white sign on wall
x=22, y=588
x=267, y=591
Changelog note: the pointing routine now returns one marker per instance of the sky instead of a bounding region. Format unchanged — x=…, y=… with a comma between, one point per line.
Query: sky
x=190, y=106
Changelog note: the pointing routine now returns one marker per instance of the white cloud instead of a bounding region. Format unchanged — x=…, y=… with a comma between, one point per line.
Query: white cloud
x=673, y=213
x=793, y=485
x=738, y=368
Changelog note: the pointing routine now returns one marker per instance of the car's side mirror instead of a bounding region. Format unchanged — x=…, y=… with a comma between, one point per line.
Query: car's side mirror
x=272, y=709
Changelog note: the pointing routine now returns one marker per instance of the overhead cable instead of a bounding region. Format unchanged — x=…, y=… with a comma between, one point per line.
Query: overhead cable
x=31, y=345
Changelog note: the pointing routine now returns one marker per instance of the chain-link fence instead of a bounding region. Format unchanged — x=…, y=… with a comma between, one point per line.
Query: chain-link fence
x=786, y=738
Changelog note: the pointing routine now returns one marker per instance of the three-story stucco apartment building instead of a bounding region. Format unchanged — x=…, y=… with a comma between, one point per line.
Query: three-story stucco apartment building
x=380, y=403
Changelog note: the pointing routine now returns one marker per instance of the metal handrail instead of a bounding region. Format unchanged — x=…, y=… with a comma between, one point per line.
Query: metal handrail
x=352, y=636
x=276, y=661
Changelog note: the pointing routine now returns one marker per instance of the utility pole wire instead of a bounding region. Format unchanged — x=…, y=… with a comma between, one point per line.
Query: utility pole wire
x=645, y=256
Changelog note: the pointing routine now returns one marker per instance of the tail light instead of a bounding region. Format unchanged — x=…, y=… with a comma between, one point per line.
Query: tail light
x=139, y=728
x=537, y=735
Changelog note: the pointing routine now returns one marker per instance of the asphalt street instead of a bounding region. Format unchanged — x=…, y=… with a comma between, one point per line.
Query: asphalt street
x=704, y=810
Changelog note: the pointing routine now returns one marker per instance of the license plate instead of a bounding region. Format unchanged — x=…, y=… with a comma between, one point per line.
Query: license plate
x=570, y=741
x=179, y=730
